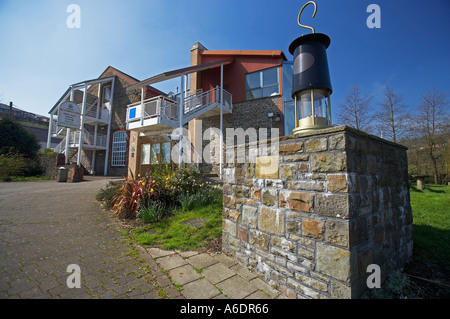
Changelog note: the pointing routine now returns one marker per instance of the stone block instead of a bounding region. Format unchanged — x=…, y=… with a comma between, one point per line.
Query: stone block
x=242, y=234
x=284, y=244
x=259, y=239
x=229, y=227
x=269, y=197
x=337, y=232
x=267, y=167
x=328, y=162
x=271, y=220
x=333, y=261
x=314, y=283
x=293, y=226
x=296, y=158
x=298, y=201
x=290, y=148
x=316, y=145
x=313, y=228
x=337, y=183
x=229, y=201
x=303, y=167
x=240, y=191
x=307, y=185
x=249, y=215
x=287, y=171
x=330, y=205
x=336, y=142
x=255, y=193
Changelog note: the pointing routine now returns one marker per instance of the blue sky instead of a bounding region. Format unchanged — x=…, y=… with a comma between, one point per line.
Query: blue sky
x=40, y=56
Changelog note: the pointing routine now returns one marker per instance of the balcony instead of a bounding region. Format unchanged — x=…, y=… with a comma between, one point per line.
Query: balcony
x=160, y=114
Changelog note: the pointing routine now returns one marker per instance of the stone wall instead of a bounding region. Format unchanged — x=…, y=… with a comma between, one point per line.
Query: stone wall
x=313, y=218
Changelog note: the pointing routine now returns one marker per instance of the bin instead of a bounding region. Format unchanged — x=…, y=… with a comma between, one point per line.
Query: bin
x=61, y=175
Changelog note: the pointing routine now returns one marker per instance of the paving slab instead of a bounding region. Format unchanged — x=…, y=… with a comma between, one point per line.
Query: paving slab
x=171, y=261
x=158, y=252
x=217, y=273
x=226, y=260
x=184, y=274
x=201, y=260
x=243, y=272
x=237, y=287
x=199, y=289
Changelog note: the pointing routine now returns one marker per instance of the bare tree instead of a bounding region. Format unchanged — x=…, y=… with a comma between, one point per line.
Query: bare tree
x=433, y=124
x=393, y=120
x=355, y=111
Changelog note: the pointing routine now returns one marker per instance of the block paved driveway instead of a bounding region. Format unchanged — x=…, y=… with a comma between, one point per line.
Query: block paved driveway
x=46, y=226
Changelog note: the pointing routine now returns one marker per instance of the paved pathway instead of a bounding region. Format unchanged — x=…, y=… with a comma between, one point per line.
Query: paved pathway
x=46, y=226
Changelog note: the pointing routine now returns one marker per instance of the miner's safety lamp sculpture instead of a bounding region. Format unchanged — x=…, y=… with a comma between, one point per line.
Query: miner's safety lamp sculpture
x=311, y=85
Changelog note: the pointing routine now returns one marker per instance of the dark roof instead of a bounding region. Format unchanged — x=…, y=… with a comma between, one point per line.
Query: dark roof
x=176, y=73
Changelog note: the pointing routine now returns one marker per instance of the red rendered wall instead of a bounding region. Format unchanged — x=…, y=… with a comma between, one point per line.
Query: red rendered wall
x=234, y=73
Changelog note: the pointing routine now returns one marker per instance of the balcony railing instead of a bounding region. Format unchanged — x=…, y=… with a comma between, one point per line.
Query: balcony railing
x=166, y=108
x=155, y=107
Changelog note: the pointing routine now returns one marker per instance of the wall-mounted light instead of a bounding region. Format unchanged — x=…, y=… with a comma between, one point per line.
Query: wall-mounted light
x=311, y=85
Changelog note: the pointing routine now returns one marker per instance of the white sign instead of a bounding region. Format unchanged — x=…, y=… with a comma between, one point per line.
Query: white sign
x=69, y=115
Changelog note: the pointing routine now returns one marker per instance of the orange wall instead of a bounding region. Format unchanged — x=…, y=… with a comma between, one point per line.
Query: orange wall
x=234, y=73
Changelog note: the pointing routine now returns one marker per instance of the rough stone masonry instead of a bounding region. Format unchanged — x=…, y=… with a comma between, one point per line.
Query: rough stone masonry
x=312, y=219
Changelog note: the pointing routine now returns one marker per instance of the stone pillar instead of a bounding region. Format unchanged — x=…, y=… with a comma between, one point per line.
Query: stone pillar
x=134, y=154
x=337, y=202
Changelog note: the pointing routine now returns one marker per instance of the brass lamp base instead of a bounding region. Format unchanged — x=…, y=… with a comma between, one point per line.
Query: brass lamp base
x=308, y=123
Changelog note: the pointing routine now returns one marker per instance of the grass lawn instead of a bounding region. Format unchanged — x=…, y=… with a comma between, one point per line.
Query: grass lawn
x=184, y=230
x=431, y=234
x=431, y=223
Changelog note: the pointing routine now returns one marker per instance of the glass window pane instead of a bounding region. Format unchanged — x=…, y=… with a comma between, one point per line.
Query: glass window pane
x=270, y=90
x=305, y=105
x=145, y=154
x=252, y=80
x=155, y=156
x=165, y=153
x=254, y=94
x=320, y=105
x=270, y=76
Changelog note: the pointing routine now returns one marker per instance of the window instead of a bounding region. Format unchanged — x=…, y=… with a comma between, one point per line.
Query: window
x=262, y=83
x=145, y=154
x=155, y=153
x=119, y=148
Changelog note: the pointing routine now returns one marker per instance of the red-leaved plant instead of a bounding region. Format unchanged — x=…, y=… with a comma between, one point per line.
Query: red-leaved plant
x=134, y=194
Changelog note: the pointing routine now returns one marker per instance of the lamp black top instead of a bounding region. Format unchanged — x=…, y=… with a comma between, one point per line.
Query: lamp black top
x=310, y=63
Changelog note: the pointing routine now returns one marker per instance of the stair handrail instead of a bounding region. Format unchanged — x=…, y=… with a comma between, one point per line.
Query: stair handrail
x=61, y=147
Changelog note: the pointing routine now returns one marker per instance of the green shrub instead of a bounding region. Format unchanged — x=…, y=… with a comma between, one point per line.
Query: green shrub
x=203, y=197
x=175, y=181
x=152, y=212
x=12, y=164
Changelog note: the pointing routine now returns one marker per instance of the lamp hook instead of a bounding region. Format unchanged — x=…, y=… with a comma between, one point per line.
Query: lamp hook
x=314, y=14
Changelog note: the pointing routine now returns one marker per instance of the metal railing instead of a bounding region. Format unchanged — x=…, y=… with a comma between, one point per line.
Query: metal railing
x=155, y=107
x=163, y=107
x=197, y=102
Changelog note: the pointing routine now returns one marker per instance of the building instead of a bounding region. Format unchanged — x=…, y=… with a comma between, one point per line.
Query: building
x=128, y=125
x=235, y=89
x=101, y=145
